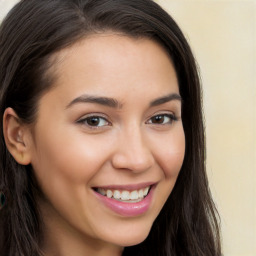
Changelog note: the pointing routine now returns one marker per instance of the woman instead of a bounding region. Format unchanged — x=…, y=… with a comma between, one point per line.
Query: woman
x=102, y=138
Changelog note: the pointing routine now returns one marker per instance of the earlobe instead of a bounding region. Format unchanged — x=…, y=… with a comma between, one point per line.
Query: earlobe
x=15, y=135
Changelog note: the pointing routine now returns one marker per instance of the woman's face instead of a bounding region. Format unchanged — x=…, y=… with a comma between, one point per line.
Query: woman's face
x=108, y=143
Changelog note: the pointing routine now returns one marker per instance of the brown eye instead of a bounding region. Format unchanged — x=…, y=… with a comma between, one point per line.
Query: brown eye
x=158, y=119
x=162, y=119
x=94, y=121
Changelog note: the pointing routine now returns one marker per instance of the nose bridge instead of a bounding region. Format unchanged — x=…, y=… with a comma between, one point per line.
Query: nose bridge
x=133, y=150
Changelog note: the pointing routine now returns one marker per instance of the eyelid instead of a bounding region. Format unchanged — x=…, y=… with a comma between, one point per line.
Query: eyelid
x=92, y=114
x=171, y=115
x=83, y=119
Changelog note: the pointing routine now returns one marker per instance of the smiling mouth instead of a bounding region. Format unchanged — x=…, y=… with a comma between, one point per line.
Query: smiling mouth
x=133, y=196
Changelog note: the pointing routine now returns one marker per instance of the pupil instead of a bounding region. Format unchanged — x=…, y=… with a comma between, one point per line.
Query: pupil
x=93, y=121
x=159, y=119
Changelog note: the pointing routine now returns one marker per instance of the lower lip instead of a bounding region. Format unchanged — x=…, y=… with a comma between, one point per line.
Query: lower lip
x=127, y=209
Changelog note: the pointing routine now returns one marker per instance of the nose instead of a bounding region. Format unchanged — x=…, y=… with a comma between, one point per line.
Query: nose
x=132, y=152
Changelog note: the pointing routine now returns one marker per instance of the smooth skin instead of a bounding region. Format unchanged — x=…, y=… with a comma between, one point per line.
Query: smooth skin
x=129, y=132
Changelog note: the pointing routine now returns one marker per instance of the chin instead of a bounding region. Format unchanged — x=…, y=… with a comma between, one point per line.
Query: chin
x=135, y=237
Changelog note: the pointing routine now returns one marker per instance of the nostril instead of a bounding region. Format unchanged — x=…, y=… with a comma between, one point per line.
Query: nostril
x=132, y=152
x=132, y=162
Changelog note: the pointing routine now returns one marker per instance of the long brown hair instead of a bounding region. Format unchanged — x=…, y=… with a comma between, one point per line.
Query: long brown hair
x=31, y=33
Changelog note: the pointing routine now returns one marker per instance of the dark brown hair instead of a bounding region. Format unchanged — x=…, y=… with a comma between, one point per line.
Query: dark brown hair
x=31, y=33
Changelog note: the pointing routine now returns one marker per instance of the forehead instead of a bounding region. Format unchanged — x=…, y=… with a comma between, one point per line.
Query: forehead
x=114, y=64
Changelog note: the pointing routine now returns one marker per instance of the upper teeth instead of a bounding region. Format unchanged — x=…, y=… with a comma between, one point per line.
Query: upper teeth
x=124, y=195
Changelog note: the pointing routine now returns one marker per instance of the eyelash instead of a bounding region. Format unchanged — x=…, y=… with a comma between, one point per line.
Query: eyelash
x=85, y=121
x=171, y=117
x=99, y=119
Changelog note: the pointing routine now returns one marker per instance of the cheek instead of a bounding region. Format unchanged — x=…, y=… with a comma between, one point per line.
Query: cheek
x=170, y=154
x=64, y=167
x=66, y=161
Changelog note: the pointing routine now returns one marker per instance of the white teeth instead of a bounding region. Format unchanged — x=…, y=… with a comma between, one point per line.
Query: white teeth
x=109, y=193
x=125, y=195
x=141, y=193
x=102, y=191
x=117, y=194
x=145, y=192
x=134, y=195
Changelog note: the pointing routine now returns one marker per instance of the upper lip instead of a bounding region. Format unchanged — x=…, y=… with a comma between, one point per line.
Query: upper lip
x=128, y=186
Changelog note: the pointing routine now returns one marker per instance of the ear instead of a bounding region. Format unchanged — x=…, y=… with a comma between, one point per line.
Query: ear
x=16, y=135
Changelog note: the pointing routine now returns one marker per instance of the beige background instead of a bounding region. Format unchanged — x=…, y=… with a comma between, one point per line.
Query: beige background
x=222, y=35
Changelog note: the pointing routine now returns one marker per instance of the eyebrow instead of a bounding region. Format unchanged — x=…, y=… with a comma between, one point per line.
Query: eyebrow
x=113, y=103
x=109, y=102
x=165, y=99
